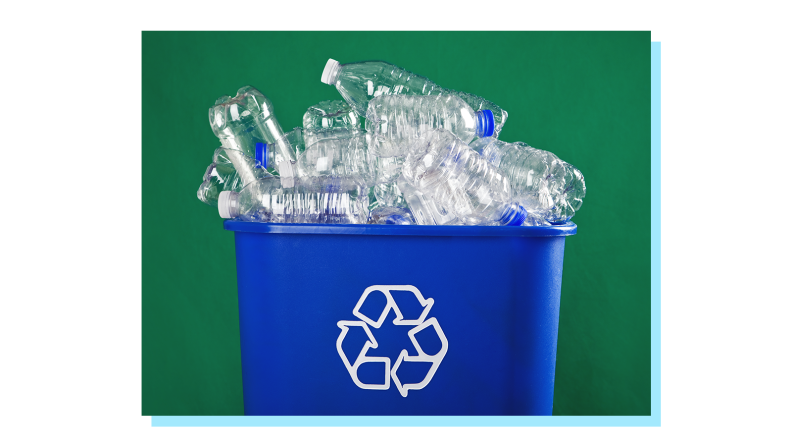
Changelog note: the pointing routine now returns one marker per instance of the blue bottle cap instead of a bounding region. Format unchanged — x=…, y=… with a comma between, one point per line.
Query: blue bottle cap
x=521, y=216
x=261, y=155
x=486, y=123
x=514, y=215
x=397, y=220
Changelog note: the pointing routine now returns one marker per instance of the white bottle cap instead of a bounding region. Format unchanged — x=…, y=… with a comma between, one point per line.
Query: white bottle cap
x=328, y=71
x=224, y=204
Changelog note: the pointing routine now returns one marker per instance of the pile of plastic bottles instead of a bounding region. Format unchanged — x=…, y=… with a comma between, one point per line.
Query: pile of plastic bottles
x=399, y=149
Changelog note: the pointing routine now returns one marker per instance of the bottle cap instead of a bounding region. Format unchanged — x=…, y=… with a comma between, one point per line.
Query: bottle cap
x=226, y=204
x=329, y=69
x=514, y=215
x=521, y=216
x=261, y=155
x=397, y=219
x=486, y=123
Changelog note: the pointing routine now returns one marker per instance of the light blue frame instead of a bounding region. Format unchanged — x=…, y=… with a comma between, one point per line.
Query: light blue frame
x=650, y=420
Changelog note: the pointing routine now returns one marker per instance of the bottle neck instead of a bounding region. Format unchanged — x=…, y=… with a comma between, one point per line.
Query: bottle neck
x=333, y=76
x=233, y=205
x=485, y=123
x=228, y=204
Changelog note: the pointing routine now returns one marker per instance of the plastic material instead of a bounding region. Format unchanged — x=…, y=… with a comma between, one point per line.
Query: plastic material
x=301, y=138
x=261, y=154
x=340, y=156
x=222, y=175
x=392, y=122
x=459, y=179
x=361, y=82
x=487, y=340
x=550, y=187
x=328, y=74
x=390, y=215
x=247, y=118
x=486, y=123
x=225, y=204
x=330, y=114
x=425, y=209
x=321, y=199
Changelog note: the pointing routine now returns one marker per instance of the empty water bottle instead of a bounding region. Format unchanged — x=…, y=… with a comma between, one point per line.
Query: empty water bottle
x=341, y=156
x=539, y=180
x=330, y=114
x=360, y=82
x=444, y=167
x=389, y=194
x=247, y=119
x=348, y=156
x=217, y=179
x=387, y=168
x=300, y=138
x=390, y=215
x=221, y=175
x=393, y=122
x=333, y=200
x=424, y=208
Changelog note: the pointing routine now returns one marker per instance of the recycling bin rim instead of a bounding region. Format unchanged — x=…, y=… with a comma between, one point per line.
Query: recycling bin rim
x=402, y=230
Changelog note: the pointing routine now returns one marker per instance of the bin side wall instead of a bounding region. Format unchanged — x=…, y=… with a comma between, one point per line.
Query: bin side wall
x=496, y=300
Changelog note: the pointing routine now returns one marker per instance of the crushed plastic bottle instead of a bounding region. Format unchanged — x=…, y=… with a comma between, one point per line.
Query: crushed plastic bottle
x=539, y=180
x=393, y=122
x=424, y=208
x=300, y=138
x=221, y=175
x=348, y=156
x=339, y=157
x=360, y=82
x=387, y=168
x=328, y=199
x=389, y=194
x=244, y=121
x=390, y=215
x=455, y=176
x=331, y=114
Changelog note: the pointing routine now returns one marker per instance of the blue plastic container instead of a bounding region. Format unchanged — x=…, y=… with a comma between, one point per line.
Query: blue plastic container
x=398, y=320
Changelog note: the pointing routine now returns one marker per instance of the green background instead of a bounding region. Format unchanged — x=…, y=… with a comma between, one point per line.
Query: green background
x=583, y=95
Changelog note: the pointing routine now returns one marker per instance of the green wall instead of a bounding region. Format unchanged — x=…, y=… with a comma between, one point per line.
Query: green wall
x=582, y=95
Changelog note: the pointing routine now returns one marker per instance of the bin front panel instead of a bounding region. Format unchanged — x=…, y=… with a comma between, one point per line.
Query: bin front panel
x=491, y=345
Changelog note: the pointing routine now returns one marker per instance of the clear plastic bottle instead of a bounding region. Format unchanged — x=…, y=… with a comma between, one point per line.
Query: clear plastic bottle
x=360, y=82
x=221, y=175
x=331, y=114
x=393, y=122
x=535, y=219
x=348, y=156
x=300, y=139
x=389, y=194
x=217, y=179
x=331, y=200
x=541, y=181
x=390, y=215
x=247, y=119
x=424, y=208
x=386, y=168
x=443, y=166
x=341, y=156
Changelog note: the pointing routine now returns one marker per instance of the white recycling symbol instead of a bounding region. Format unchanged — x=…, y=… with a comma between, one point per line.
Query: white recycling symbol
x=420, y=324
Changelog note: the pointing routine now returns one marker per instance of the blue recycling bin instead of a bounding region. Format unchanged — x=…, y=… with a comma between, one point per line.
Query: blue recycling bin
x=398, y=320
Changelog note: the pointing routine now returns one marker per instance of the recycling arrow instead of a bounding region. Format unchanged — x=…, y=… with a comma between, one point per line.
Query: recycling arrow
x=420, y=324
